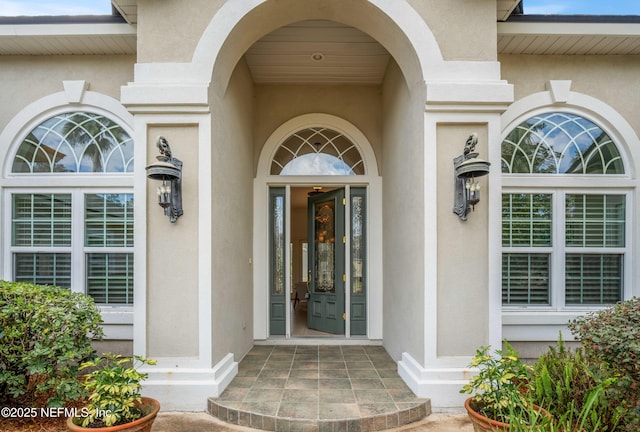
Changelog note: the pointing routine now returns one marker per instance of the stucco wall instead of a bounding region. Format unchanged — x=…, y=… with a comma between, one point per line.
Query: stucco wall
x=25, y=79
x=403, y=217
x=231, y=218
x=611, y=79
x=168, y=31
x=276, y=104
x=463, y=321
x=172, y=265
x=464, y=29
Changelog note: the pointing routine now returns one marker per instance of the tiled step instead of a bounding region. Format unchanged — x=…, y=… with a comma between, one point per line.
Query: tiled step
x=318, y=388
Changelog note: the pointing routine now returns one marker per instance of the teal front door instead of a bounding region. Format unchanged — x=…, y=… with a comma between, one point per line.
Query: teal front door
x=326, y=226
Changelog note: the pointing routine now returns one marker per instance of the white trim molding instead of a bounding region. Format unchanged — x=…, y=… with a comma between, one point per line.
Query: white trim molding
x=187, y=389
x=442, y=385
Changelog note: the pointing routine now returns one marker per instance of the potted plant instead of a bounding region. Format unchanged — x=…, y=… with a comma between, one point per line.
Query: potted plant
x=115, y=403
x=500, y=392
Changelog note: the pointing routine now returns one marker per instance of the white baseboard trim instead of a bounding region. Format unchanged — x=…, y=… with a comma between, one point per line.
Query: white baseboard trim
x=187, y=389
x=441, y=385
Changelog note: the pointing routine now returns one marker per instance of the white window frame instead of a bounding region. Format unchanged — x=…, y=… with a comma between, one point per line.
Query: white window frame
x=78, y=250
x=558, y=248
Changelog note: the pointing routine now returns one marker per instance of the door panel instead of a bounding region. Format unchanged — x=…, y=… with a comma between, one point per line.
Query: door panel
x=326, y=226
x=358, y=259
x=277, y=267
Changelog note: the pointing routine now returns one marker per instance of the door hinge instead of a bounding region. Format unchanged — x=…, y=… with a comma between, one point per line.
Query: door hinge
x=344, y=239
x=344, y=277
x=344, y=201
x=344, y=316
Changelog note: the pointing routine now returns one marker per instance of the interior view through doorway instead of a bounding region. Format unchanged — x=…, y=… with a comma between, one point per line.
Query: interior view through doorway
x=326, y=261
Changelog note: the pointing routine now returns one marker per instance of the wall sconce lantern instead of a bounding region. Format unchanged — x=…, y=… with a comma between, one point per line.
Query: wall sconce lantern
x=168, y=170
x=467, y=167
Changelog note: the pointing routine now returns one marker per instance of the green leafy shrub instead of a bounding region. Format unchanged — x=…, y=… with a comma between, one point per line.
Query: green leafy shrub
x=45, y=334
x=574, y=390
x=501, y=384
x=611, y=338
x=115, y=390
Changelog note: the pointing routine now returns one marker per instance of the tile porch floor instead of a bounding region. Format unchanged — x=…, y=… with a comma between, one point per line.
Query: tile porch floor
x=318, y=388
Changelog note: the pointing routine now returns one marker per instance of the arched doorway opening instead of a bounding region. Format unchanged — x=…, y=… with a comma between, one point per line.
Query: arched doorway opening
x=318, y=275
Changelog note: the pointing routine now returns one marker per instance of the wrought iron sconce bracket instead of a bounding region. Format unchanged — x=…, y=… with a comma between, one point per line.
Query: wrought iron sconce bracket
x=168, y=170
x=468, y=167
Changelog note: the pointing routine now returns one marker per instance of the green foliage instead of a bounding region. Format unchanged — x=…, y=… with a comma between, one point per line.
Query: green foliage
x=45, y=333
x=115, y=389
x=500, y=386
x=611, y=339
x=574, y=390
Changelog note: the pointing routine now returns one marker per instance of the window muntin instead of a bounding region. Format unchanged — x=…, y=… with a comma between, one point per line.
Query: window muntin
x=593, y=279
x=110, y=277
x=527, y=219
x=41, y=220
x=108, y=220
x=42, y=268
x=75, y=142
x=526, y=279
x=595, y=220
x=560, y=143
x=317, y=151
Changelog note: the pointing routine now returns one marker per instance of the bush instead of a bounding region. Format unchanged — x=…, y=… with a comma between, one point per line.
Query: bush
x=45, y=334
x=611, y=338
x=573, y=390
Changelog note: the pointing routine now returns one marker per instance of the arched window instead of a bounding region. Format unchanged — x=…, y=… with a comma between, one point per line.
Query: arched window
x=76, y=142
x=564, y=241
x=560, y=143
x=317, y=151
x=78, y=236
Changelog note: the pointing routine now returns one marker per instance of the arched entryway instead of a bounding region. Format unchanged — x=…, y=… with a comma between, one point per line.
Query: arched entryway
x=222, y=112
x=317, y=177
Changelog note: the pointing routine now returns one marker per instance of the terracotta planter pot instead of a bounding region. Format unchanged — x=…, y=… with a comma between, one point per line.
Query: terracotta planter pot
x=485, y=424
x=143, y=424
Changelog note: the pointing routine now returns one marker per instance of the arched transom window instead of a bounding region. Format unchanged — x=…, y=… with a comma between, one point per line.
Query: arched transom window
x=560, y=143
x=565, y=243
x=76, y=142
x=80, y=236
x=317, y=151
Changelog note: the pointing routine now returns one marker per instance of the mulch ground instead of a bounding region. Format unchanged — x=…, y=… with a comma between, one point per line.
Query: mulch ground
x=55, y=422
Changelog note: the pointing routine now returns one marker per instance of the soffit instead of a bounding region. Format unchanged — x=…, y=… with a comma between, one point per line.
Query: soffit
x=128, y=9
x=504, y=8
x=77, y=38
x=569, y=38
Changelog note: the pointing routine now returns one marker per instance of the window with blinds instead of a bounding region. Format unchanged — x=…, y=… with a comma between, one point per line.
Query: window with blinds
x=79, y=237
x=527, y=238
x=562, y=245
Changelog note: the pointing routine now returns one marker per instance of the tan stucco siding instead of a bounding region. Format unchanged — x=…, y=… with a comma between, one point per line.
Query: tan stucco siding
x=24, y=80
x=403, y=218
x=464, y=29
x=611, y=79
x=231, y=218
x=172, y=273
x=169, y=31
x=463, y=289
